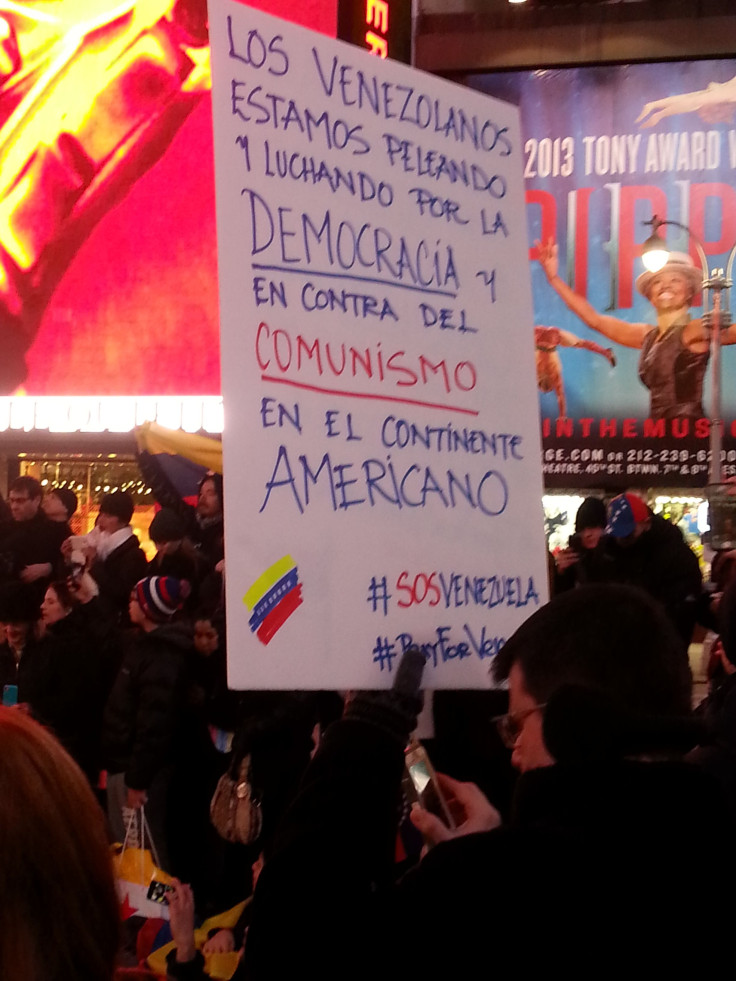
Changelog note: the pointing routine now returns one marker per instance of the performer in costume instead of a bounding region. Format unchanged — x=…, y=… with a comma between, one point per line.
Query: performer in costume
x=674, y=354
x=549, y=366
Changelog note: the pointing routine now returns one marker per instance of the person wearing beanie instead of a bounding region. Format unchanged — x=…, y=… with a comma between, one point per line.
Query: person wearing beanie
x=643, y=549
x=116, y=559
x=674, y=354
x=584, y=558
x=159, y=597
x=175, y=552
x=166, y=528
x=147, y=714
x=60, y=504
x=591, y=516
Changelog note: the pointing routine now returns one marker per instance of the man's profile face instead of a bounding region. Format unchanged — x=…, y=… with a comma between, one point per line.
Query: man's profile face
x=54, y=509
x=23, y=507
x=670, y=290
x=529, y=752
x=208, y=505
x=109, y=523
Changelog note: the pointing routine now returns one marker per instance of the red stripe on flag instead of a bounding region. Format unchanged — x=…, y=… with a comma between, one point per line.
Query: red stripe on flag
x=279, y=614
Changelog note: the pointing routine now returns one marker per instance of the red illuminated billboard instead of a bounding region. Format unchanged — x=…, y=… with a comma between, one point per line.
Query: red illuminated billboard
x=108, y=271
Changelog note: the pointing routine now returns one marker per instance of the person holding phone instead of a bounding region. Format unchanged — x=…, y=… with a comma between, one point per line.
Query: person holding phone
x=591, y=868
x=584, y=559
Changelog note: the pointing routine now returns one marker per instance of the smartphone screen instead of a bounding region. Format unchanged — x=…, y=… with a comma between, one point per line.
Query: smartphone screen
x=10, y=695
x=158, y=892
x=424, y=780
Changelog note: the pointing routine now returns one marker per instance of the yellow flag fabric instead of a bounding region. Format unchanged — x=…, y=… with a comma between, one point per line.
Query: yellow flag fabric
x=202, y=450
x=218, y=966
x=134, y=865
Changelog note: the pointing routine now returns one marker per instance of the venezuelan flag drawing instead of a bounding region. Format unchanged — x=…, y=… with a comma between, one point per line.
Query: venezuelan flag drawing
x=273, y=597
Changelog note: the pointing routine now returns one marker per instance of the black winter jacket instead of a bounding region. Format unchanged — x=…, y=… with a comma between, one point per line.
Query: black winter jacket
x=118, y=573
x=590, y=878
x=662, y=564
x=66, y=678
x=148, y=709
x=30, y=542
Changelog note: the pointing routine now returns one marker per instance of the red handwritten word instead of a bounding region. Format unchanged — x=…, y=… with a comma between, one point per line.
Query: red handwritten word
x=280, y=352
x=419, y=589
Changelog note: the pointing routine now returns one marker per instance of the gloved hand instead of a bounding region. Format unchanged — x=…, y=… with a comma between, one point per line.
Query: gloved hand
x=394, y=710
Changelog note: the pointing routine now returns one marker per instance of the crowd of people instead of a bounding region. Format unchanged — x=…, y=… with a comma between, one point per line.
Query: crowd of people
x=124, y=661
x=116, y=705
x=627, y=543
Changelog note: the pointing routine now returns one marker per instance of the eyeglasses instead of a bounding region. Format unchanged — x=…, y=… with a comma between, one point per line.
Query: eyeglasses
x=510, y=725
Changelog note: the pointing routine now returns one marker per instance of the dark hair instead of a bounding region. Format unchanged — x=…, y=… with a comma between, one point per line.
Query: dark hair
x=609, y=638
x=591, y=514
x=26, y=485
x=211, y=609
x=18, y=603
x=166, y=526
x=119, y=505
x=59, y=913
x=216, y=479
x=66, y=597
x=68, y=498
x=216, y=619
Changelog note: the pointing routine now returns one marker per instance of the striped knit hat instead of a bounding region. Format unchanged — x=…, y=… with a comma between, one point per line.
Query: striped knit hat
x=161, y=596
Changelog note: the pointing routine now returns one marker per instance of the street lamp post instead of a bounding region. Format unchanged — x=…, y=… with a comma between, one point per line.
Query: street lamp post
x=715, y=318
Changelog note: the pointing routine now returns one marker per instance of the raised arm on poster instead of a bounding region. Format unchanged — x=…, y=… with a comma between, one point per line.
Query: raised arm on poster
x=674, y=352
x=382, y=456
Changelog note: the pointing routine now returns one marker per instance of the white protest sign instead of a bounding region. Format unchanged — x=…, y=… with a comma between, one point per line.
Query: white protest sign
x=381, y=446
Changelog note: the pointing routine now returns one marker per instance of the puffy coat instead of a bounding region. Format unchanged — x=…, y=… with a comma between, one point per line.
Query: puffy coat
x=147, y=711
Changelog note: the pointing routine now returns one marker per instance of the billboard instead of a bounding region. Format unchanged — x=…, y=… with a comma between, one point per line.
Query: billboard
x=605, y=149
x=108, y=278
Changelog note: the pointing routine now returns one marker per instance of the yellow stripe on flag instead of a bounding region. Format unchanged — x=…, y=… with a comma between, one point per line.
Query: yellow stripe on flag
x=203, y=450
x=268, y=579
